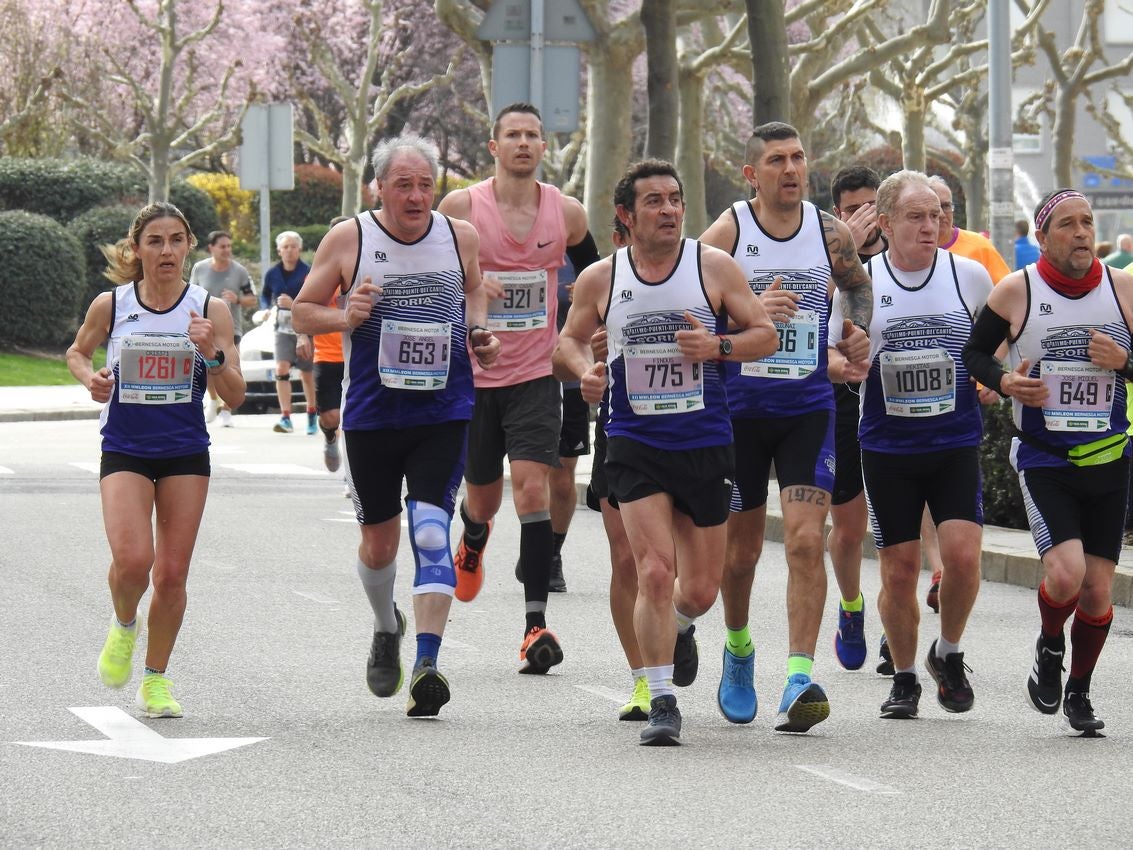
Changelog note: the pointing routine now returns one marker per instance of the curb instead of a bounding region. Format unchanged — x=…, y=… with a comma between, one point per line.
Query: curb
x=48, y=415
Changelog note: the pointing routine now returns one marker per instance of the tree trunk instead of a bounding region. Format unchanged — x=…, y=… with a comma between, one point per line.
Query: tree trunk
x=1062, y=135
x=609, y=105
x=159, y=178
x=690, y=152
x=659, y=19
x=912, y=136
x=351, y=187
x=771, y=80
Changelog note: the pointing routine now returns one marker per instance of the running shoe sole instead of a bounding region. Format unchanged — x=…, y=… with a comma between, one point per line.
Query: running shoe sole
x=809, y=709
x=660, y=736
x=427, y=694
x=543, y=654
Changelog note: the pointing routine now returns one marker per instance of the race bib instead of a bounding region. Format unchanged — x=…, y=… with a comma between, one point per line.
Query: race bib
x=283, y=321
x=414, y=355
x=1081, y=396
x=918, y=383
x=659, y=379
x=523, y=306
x=797, y=356
x=156, y=369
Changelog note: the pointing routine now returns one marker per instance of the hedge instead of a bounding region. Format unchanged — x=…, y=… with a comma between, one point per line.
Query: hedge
x=1003, y=501
x=42, y=280
x=316, y=198
x=93, y=229
x=64, y=189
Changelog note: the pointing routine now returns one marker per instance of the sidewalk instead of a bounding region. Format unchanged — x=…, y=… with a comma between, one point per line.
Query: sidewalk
x=1008, y=554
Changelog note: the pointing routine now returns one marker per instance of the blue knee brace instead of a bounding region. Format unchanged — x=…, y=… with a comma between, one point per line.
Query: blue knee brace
x=429, y=536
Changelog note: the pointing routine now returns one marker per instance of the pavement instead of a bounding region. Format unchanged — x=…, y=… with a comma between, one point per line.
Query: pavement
x=1008, y=554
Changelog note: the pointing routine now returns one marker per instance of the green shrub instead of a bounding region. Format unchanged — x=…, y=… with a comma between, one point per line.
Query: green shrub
x=316, y=198
x=64, y=189
x=1003, y=501
x=93, y=229
x=42, y=279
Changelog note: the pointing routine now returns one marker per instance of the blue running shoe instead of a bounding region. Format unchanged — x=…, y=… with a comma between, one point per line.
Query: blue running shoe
x=804, y=705
x=849, y=640
x=736, y=694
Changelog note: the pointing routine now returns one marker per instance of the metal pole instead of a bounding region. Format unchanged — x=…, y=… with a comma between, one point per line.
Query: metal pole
x=536, y=45
x=265, y=235
x=1001, y=162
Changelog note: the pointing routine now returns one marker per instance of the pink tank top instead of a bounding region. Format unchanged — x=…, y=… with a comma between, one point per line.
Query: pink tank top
x=530, y=273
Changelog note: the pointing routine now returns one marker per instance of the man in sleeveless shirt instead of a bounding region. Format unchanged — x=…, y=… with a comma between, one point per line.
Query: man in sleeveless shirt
x=669, y=454
x=526, y=227
x=413, y=320
x=782, y=409
x=1067, y=318
x=854, y=193
x=974, y=246
x=920, y=432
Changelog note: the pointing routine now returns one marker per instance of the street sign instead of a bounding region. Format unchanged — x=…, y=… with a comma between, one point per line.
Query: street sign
x=562, y=68
x=266, y=158
x=510, y=20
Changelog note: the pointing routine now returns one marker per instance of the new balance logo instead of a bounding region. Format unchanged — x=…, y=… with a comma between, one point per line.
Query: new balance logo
x=627, y=295
x=380, y=257
x=133, y=317
x=753, y=250
x=1045, y=309
x=886, y=300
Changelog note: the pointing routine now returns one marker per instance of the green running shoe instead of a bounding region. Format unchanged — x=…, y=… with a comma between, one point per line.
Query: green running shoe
x=155, y=697
x=116, y=659
x=638, y=706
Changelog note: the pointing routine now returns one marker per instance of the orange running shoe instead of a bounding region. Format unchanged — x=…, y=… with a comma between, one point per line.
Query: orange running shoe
x=469, y=564
x=933, y=598
x=539, y=652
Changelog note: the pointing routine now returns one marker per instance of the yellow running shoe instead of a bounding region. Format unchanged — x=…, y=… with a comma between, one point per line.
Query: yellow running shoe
x=116, y=660
x=638, y=706
x=155, y=697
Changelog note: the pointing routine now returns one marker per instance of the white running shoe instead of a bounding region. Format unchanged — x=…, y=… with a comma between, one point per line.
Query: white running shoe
x=225, y=418
x=210, y=408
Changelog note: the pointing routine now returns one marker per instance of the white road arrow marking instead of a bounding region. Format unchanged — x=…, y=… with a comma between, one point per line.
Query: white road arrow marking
x=129, y=738
x=858, y=783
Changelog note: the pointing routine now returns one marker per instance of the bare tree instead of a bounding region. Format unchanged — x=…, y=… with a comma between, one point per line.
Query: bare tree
x=173, y=122
x=1073, y=75
x=386, y=55
x=770, y=63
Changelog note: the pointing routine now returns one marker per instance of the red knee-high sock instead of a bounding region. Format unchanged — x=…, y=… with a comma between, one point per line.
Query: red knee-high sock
x=1054, y=614
x=1087, y=637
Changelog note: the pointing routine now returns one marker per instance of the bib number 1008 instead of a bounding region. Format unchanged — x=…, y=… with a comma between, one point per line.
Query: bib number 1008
x=922, y=380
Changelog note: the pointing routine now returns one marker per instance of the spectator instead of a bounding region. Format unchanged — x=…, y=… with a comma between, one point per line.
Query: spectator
x=281, y=284
x=1026, y=251
x=1123, y=256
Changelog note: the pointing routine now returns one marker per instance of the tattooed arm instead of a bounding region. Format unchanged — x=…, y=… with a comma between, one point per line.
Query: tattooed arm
x=848, y=273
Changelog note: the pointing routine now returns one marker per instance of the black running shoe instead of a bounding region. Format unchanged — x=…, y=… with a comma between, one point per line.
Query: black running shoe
x=664, y=726
x=1044, y=685
x=952, y=689
x=904, y=697
x=428, y=690
x=557, y=583
x=885, y=664
x=1080, y=713
x=383, y=667
x=686, y=659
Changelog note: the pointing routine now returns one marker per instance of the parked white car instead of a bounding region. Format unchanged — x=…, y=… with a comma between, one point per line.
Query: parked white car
x=257, y=362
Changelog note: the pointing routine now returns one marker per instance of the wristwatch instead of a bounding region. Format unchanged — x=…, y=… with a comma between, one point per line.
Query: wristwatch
x=219, y=361
x=725, y=346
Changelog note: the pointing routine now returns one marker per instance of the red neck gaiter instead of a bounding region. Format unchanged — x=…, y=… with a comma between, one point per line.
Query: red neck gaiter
x=1070, y=286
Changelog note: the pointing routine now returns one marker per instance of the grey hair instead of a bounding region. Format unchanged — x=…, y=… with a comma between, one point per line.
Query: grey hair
x=937, y=180
x=893, y=185
x=385, y=151
x=284, y=235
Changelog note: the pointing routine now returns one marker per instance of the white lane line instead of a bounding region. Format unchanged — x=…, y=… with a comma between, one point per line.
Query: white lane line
x=271, y=468
x=605, y=693
x=5, y=471
x=87, y=466
x=858, y=783
x=314, y=597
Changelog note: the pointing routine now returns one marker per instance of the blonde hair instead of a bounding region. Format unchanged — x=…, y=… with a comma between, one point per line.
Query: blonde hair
x=889, y=192
x=123, y=263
